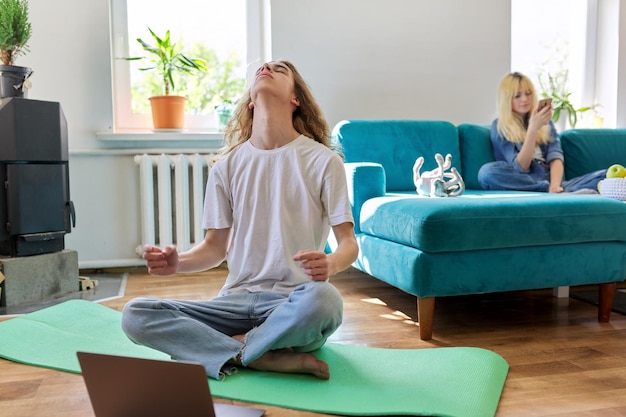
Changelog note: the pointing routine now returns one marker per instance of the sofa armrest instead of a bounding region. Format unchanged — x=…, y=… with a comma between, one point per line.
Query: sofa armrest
x=365, y=180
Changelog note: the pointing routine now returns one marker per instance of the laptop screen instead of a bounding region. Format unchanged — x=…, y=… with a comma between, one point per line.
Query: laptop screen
x=121, y=386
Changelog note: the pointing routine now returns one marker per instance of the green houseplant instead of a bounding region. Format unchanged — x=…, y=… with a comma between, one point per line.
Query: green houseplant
x=562, y=103
x=554, y=87
x=166, y=57
x=15, y=32
x=224, y=111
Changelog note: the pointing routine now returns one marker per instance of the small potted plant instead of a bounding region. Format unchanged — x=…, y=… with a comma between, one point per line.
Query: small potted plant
x=224, y=111
x=166, y=57
x=563, y=104
x=15, y=31
x=554, y=86
x=227, y=97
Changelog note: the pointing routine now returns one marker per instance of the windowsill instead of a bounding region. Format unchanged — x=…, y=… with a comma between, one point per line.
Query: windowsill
x=159, y=136
x=148, y=139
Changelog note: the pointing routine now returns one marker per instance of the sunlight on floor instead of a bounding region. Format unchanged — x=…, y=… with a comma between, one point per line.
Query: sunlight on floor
x=396, y=315
x=376, y=301
x=399, y=315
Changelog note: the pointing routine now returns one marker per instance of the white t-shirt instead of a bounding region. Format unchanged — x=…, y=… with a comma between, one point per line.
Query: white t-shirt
x=277, y=202
x=539, y=154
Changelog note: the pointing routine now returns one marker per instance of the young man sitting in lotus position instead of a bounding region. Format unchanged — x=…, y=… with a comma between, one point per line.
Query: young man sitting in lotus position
x=271, y=199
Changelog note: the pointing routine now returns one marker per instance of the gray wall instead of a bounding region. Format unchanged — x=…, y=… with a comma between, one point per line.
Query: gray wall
x=362, y=58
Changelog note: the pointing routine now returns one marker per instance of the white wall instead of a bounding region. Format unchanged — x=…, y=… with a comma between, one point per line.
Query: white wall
x=363, y=59
x=397, y=58
x=69, y=53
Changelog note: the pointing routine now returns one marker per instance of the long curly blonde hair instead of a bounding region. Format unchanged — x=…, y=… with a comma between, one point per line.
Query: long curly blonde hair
x=511, y=126
x=308, y=118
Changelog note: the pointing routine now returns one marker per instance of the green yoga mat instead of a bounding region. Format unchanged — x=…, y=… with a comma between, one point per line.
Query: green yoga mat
x=455, y=381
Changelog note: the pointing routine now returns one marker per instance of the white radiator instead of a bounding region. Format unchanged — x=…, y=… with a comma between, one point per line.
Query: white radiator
x=172, y=198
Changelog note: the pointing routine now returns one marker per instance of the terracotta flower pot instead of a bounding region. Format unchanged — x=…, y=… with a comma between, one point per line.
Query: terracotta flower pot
x=168, y=112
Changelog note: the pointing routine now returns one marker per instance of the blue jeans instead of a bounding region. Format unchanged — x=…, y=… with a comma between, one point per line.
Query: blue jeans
x=500, y=175
x=200, y=331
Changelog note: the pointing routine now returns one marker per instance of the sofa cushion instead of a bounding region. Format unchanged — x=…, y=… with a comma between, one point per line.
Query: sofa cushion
x=396, y=144
x=494, y=219
x=476, y=150
x=588, y=150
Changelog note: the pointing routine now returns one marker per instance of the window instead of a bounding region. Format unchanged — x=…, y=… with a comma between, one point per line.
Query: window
x=229, y=35
x=553, y=40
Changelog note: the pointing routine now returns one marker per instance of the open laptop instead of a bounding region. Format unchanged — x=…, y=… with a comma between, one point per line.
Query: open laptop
x=121, y=386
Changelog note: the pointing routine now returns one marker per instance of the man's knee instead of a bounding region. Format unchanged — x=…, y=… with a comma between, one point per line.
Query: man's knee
x=133, y=316
x=321, y=293
x=321, y=301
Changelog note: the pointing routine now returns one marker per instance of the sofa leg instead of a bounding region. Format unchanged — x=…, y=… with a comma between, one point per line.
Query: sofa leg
x=560, y=292
x=425, y=316
x=606, y=293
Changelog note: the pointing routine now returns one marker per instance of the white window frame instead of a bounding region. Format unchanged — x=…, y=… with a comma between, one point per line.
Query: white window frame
x=258, y=51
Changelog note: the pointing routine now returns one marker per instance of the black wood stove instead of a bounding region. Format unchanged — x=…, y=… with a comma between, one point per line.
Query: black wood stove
x=35, y=207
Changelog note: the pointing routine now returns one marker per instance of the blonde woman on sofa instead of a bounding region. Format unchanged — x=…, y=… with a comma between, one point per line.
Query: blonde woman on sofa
x=526, y=147
x=271, y=200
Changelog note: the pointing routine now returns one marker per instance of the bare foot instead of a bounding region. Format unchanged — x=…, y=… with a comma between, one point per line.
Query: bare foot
x=286, y=360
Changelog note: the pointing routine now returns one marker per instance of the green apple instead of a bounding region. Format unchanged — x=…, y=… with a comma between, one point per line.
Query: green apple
x=616, y=171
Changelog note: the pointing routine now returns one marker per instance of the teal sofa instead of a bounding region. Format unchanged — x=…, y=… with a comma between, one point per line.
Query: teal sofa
x=481, y=241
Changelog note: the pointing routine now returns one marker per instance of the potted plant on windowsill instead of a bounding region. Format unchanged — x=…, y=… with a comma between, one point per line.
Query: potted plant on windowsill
x=554, y=86
x=166, y=57
x=562, y=104
x=227, y=100
x=15, y=31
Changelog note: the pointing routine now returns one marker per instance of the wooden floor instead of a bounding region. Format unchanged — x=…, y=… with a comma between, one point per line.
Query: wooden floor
x=562, y=361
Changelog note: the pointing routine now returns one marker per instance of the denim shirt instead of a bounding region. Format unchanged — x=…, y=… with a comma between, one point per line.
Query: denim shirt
x=503, y=150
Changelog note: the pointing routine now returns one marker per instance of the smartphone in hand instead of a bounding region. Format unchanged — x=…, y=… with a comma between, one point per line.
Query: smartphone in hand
x=543, y=103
